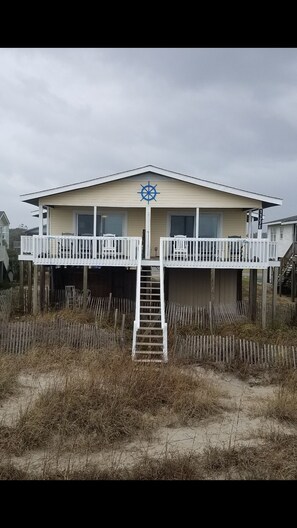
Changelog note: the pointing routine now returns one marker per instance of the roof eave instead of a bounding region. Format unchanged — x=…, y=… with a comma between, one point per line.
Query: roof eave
x=267, y=201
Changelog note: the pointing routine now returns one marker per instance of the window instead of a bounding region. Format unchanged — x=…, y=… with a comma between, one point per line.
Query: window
x=106, y=223
x=182, y=225
x=273, y=234
x=281, y=233
x=209, y=225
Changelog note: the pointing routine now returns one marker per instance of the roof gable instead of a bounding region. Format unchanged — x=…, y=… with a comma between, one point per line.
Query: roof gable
x=267, y=200
x=4, y=218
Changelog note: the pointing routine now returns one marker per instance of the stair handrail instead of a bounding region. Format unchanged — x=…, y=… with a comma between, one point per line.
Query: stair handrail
x=162, y=303
x=136, y=324
x=287, y=256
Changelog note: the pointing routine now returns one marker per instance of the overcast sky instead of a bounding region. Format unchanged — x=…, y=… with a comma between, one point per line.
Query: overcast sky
x=226, y=115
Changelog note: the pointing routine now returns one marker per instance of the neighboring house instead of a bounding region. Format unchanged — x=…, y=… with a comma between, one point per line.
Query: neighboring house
x=4, y=244
x=117, y=227
x=283, y=232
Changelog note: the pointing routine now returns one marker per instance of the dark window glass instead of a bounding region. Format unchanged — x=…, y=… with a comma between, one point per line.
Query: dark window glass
x=182, y=225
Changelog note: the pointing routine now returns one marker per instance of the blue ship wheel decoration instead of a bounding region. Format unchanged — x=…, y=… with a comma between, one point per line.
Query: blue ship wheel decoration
x=148, y=192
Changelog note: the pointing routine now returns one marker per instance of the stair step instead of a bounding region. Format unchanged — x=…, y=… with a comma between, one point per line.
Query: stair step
x=150, y=321
x=159, y=353
x=150, y=336
x=142, y=343
x=148, y=360
x=149, y=286
x=150, y=301
x=149, y=328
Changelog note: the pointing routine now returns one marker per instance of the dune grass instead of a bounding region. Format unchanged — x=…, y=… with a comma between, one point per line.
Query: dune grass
x=110, y=399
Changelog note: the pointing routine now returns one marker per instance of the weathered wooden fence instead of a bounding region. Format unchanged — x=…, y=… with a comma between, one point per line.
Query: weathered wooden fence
x=18, y=337
x=206, y=316
x=230, y=349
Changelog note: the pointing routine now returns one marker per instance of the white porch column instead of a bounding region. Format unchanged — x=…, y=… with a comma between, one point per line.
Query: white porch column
x=250, y=225
x=47, y=220
x=197, y=223
x=95, y=221
x=40, y=220
x=260, y=222
x=147, y=231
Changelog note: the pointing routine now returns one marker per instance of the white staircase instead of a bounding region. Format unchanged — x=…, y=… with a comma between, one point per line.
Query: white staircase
x=150, y=334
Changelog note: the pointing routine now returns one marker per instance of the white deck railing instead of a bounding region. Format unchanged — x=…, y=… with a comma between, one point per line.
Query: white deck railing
x=78, y=250
x=162, y=302
x=136, y=324
x=218, y=252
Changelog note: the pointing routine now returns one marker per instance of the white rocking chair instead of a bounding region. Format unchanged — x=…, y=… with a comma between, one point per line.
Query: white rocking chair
x=109, y=245
x=180, y=247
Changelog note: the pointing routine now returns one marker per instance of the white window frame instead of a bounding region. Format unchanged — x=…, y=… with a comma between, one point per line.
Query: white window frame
x=100, y=212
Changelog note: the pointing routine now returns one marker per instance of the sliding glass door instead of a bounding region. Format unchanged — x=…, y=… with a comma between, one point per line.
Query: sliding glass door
x=182, y=225
x=209, y=225
x=111, y=223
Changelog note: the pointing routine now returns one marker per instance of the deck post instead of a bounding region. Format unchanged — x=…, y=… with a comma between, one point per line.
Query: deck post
x=29, y=282
x=264, y=297
x=274, y=293
x=42, y=288
x=85, y=286
x=212, y=285
x=21, y=290
x=253, y=294
x=35, y=289
x=293, y=280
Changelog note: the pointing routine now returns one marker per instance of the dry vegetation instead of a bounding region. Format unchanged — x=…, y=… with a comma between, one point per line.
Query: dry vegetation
x=100, y=400
x=275, y=460
x=9, y=369
x=106, y=400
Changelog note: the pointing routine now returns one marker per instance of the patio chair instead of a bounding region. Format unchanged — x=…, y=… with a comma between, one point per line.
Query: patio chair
x=180, y=247
x=109, y=245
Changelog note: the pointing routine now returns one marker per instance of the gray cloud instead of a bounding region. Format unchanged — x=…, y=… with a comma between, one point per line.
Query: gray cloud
x=227, y=115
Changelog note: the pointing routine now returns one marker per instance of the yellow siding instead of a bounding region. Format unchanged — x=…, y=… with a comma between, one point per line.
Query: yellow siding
x=125, y=193
x=61, y=220
x=158, y=229
x=135, y=222
x=191, y=287
x=234, y=223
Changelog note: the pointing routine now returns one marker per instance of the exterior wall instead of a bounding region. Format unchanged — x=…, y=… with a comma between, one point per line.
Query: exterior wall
x=282, y=245
x=173, y=193
x=135, y=222
x=234, y=223
x=192, y=286
x=63, y=220
x=4, y=232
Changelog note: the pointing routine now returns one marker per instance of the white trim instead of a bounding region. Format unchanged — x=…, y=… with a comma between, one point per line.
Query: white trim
x=94, y=220
x=40, y=223
x=150, y=168
x=197, y=223
x=279, y=222
x=47, y=220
